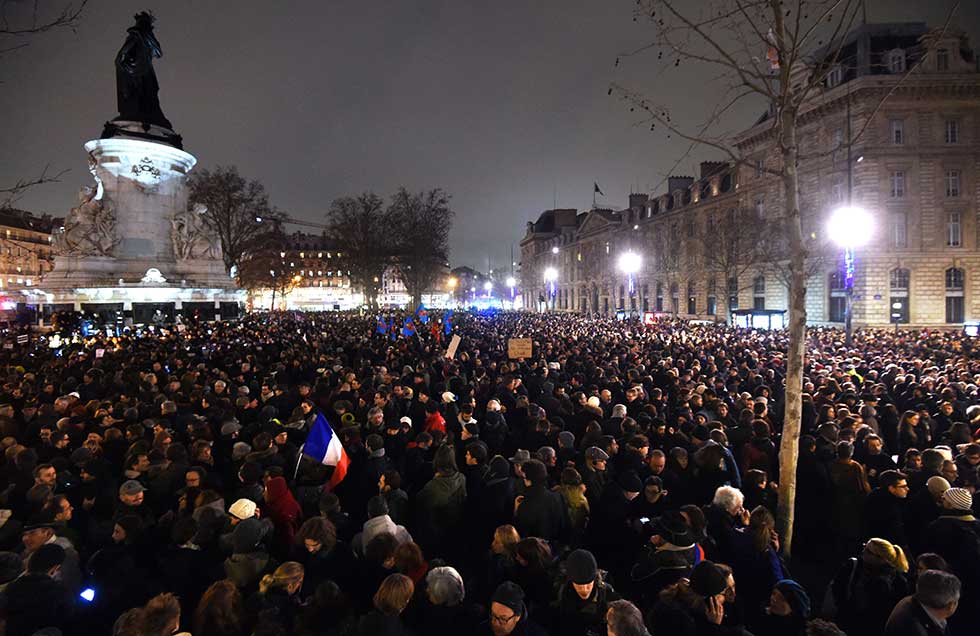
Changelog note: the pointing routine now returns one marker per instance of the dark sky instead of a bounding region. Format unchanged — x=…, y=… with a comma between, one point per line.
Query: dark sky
x=501, y=102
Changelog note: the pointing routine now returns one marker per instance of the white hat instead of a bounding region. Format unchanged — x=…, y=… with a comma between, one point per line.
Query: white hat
x=448, y=396
x=242, y=509
x=406, y=420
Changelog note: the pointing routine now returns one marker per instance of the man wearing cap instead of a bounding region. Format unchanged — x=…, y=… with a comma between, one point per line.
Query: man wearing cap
x=584, y=598
x=955, y=536
x=132, y=501
x=670, y=555
x=508, y=614
x=612, y=536
x=39, y=531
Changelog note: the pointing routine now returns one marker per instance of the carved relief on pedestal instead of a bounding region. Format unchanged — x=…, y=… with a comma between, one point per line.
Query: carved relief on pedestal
x=90, y=228
x=193, y=236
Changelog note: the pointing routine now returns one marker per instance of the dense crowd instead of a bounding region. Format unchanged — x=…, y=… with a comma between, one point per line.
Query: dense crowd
x=621, y=481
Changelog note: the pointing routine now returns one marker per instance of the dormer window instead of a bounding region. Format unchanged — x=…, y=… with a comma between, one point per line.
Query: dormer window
x=835, y=76
x=896, y=61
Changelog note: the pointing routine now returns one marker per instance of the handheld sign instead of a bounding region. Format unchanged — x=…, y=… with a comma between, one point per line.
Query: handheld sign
x=453, y=346
x=99, y=353
x=519, y=348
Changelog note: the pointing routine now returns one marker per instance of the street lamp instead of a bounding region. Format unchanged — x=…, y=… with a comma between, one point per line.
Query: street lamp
x=487, y=287
x=554, y=250
x=629, y=264
x=551, y=275
x=511, y=282
x=849, y=227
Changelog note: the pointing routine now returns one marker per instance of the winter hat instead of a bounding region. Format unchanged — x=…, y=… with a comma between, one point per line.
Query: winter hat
x=596, y=454
x=499, y=466
x=796, y=596
x=566, y=439
x=937, y=485
x=958, y=499
x=131, y=487
x=673, y=529
x=448, y=397
x=246, y=535
x=242, y=509
x=707, y=579
x=230, y=427
x=882, y=553
x=510, y=595
x=581, y=567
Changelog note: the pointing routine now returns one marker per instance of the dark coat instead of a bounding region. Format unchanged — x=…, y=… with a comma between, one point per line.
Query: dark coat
x=885, y=516
x=34, y=601
x=579, y=617
x=377, y=624
x=909, y=618
x=543, y=514
x=439, y=509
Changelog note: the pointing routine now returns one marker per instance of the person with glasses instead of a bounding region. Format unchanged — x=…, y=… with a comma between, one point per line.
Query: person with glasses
x=885, y=509
x=508, y=614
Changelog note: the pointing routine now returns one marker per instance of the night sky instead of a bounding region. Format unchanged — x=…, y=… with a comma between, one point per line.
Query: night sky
x=501, y=103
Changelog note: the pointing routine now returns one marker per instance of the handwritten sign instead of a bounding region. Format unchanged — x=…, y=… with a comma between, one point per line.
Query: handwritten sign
x=519, y=348
x=99, y=353
x=453, y=346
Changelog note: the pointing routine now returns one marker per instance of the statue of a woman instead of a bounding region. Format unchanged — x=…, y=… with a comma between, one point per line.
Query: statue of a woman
x=136, y=83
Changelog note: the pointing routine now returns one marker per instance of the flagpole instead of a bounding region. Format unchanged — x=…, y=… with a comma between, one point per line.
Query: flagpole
x=299, y=460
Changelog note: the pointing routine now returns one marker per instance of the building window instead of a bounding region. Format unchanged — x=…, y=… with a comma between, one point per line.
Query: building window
x=954, y=229
x=646, y=298
x=898, y=298
x=760, y=165
x=896, y=61
x=898, y=184
x=952, y=131
x=760, y=209
x=759, y=292
x=674, y=298
x=622, y=293
x=692, y=302
x=837, y=303
x=712, y=305
x=837, y=139
x=942, y=59
x=954, y=295
x=837, y=189
x=899, y=230
x=835, y=76
x=952, y=183
x=898, y=131
x=732, y=293
x=660, y=297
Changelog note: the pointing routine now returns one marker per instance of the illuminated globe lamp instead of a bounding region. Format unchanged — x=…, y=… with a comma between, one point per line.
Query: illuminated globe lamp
x=849, y=227
x=629, y=264
x=551, y=276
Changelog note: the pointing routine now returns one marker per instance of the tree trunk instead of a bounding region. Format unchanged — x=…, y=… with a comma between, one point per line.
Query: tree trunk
x=789, y=446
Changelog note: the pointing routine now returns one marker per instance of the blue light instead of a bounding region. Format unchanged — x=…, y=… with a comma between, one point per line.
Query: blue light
x=87, y=595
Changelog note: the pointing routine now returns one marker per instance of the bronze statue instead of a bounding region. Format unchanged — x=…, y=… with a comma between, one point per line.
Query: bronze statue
x=136, y=83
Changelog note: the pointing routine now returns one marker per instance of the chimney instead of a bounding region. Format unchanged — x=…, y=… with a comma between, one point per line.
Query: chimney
x=679, y=183
x=710, y=168
x=639, y=201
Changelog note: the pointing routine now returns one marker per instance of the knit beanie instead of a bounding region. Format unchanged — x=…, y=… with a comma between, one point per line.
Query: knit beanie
x=581, y=567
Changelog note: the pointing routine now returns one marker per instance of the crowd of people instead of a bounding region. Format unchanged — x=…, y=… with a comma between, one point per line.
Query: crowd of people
x=623, y=480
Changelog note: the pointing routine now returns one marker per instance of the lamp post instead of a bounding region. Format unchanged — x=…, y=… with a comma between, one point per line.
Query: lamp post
x=488, y=287
x=849, y=227
x=550, y=276
x=511, y=282
x=629, y=264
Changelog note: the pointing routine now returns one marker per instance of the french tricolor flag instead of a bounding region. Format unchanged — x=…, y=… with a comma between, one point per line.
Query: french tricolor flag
x=323, y=445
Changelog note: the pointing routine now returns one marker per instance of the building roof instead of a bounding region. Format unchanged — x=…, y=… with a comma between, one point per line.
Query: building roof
x=23, y=220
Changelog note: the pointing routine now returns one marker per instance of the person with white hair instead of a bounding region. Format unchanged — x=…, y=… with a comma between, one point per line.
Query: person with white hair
x=446, y=612
x=725, y=516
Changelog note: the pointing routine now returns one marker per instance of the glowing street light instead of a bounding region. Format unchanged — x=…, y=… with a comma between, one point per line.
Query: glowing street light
x=488, y=287
x=511, y=282
x=551, y=275
x=629, y=264
x=554, y=250
x=849, y=227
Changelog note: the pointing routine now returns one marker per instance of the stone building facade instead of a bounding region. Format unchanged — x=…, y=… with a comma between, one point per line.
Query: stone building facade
x=903, y=146
x=26, y=251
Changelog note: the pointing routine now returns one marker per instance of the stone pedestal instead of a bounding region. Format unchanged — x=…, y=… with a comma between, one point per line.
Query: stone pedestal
x=133, y=241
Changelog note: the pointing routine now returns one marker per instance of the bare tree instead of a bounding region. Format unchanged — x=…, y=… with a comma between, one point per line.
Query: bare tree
x=264, y=265
x=422, y=222
x=780, y=52
x=238, y=210
x=362, y=226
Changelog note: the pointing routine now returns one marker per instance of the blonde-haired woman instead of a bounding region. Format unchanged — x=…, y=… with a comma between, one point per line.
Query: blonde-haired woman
x=390, y=601
x=278, y=600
